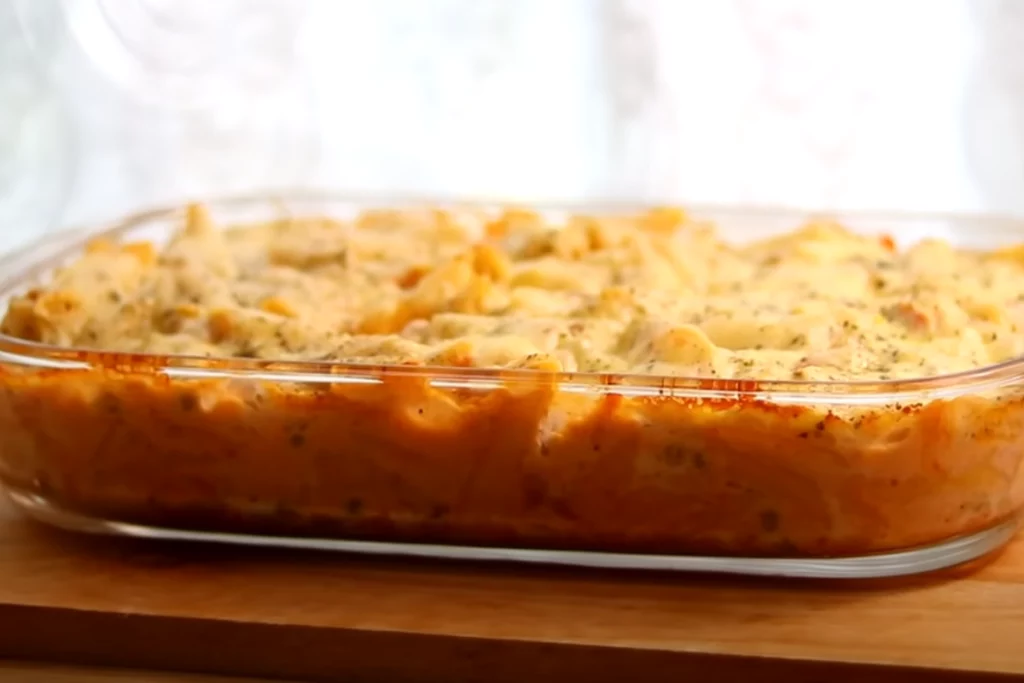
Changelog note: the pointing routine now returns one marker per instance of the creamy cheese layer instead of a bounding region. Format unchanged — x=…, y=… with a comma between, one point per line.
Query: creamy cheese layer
x=655, y=294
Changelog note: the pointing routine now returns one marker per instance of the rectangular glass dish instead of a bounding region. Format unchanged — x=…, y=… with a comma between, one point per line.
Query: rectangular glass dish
x=796, y=478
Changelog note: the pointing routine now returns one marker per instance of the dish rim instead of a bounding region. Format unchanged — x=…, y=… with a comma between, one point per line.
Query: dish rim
x=42, y=255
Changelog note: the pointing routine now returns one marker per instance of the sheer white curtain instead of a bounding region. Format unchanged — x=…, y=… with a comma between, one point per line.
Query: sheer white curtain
x=491, y=98
x=831, y=103
x=887, y=104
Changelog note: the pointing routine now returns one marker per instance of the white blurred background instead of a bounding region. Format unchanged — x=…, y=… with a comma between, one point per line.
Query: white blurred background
x=112, y=105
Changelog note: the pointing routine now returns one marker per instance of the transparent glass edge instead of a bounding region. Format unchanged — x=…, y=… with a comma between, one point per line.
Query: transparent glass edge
x=18, y=267
x=950, y=552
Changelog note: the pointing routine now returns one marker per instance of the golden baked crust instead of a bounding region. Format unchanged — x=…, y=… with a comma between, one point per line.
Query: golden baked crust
x=652, y=294
x=512, y=458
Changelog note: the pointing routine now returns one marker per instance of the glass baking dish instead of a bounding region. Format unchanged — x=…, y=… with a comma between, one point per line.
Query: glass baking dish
x=787, y=478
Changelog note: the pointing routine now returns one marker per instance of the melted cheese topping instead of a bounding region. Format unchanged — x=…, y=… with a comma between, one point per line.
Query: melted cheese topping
x=655, y=294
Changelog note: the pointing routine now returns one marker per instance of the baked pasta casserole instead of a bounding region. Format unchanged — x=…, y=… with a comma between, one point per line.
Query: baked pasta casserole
x=498, y=378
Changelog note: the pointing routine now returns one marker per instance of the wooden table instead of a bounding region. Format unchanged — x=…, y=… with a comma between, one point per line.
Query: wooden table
x=317, y=616
x=33, y=672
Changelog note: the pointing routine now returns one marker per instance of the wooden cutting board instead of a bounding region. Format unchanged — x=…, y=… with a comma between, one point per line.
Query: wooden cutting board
x=320, y=616
x=33, y=672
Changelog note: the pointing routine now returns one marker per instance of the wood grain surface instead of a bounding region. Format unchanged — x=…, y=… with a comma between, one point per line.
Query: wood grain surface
x=319, y=616
x=35, y=672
